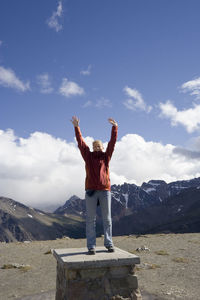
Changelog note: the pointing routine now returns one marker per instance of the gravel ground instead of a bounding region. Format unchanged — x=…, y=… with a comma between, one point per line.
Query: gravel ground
x=170, y=270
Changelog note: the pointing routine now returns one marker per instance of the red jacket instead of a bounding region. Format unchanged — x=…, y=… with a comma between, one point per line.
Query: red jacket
x=97, y=162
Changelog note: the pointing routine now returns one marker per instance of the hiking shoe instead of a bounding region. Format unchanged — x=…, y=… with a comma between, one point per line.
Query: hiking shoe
x=110, y=249
x=91, y=251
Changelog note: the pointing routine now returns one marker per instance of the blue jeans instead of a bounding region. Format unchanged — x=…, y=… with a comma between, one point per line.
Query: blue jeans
x=104, y=198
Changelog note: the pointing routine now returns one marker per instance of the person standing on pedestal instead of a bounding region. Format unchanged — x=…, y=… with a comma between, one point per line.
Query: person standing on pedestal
x=97, y=185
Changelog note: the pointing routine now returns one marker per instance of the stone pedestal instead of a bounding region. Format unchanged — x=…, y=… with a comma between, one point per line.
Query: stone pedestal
x=103, y=276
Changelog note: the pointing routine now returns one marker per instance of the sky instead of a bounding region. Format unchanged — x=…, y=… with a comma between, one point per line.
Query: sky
x=136, y=61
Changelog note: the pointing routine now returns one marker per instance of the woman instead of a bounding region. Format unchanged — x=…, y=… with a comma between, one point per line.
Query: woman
x=97, y=185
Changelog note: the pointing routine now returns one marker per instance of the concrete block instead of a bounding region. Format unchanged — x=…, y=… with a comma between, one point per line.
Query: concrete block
x=100, y=277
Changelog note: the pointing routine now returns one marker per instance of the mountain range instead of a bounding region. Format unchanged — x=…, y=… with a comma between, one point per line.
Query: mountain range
x=153, y=207
x=21, y=223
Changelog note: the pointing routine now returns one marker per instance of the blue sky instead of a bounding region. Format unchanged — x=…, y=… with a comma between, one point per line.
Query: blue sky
x=135, y=61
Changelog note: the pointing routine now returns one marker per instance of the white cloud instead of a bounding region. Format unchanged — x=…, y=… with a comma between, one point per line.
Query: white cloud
x=42, y=170
x=103, y=102
x=194, y=143
x=70, y=88
x=1, y=43
x=44, y=81
x=192, y=86
x=87, y=104
x=138, y=160
x=53, y=21
x=136, y=100
x=189, y=118
x=10, y=80
x=87, y=71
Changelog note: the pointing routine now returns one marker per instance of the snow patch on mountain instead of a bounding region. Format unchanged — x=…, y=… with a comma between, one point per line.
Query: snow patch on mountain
x=149, y=190
x=126, y=199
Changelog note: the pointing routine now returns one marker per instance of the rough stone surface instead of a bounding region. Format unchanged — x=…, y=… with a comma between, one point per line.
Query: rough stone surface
x=104, y=276
x=119, y=271
x=132, y=281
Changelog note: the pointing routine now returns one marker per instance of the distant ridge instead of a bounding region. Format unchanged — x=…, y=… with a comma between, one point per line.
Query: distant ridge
x=153, y=207
x=21, y=223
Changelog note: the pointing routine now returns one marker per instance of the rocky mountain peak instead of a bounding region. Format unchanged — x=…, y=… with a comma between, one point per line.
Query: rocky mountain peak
x=157, y=182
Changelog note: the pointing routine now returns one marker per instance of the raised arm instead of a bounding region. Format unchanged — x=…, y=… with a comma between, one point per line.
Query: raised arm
x=84, y=149
x=113, y=139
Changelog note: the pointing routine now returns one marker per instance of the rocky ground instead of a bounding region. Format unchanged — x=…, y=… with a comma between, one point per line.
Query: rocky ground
x=170, y=270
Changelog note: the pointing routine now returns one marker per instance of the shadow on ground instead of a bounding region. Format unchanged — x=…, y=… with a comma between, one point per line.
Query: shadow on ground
x=51, y=296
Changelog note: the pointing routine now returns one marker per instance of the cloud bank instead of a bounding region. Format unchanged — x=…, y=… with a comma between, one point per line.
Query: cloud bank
x=187, y=153
x=9, y=79
x=44, y=171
